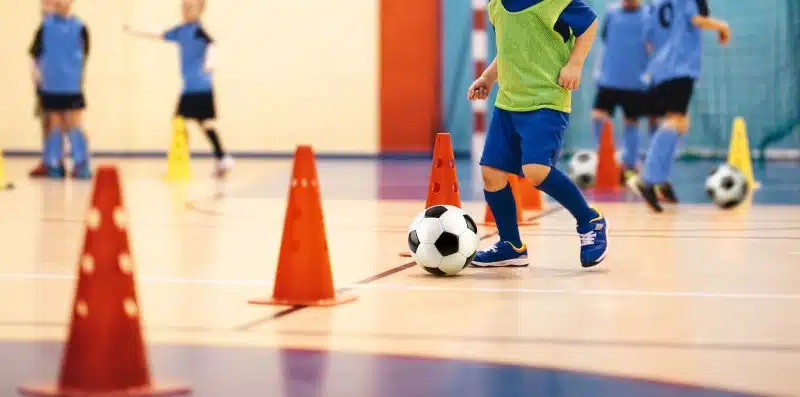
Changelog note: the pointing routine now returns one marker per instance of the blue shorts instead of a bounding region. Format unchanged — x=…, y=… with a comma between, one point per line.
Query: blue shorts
x=518, y=138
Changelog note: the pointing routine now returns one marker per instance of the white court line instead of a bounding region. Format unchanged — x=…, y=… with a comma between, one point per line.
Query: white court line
x=405, y=287
x=433, y=288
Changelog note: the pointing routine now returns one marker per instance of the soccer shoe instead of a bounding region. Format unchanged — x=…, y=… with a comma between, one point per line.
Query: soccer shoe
x=82, y=171
x=502, y=254
x=594, y=240
x=647, y=192
x=56, y=172
x=40, y=171
x=666, y=193
x=223, y=166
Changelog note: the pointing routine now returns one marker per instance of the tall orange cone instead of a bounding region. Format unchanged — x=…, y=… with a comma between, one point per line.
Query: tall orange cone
x=530, y=196
x=104, y=353
x=443, y=180
x=608, y=170
x=516, y=183
x=304, y=275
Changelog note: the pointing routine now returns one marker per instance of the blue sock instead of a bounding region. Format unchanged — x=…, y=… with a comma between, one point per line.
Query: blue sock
x=661, y=156
x=631, y=141
x=597, y=125
x=558, y=186
x=80, y=148
x=504, y=209
x=53, y=149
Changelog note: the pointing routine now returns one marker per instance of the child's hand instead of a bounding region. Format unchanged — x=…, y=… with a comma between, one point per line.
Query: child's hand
x=724, y=34
x=479, y=89
x=570, y=77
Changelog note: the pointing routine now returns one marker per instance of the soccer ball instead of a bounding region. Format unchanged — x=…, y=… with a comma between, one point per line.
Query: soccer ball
x=582, y=168
x=726, y=186
x=443, y=240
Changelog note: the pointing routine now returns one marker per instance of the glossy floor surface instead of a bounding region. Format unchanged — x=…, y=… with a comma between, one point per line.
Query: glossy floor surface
x=694, y=302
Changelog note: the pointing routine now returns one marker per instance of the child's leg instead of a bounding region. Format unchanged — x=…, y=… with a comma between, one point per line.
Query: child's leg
x=79, y=144
x=605, y=103
x=209, y=126
x=53, y=153
x=501, y=156
x=676, y=96
x=542, y=133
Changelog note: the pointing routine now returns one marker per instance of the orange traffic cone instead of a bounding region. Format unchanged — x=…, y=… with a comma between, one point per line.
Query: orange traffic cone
x=304, y=275
x=531, y=196
x=104, y=353
x=608, y=170
x=516, y=183
x=443, y=181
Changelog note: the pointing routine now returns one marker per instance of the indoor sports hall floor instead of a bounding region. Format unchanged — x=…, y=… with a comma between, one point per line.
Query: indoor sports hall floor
x=695, y=302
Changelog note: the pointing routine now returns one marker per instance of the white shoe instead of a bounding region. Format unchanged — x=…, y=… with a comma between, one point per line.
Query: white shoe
x=223, y=166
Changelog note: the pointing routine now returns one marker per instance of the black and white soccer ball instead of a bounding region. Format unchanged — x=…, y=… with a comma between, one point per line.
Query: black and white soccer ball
x=726, y=186
x=582, y=168
x=443, y=240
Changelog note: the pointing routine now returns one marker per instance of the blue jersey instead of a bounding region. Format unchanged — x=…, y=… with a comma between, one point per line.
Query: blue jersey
x=193, y=41
x=60, y=47
x=681, y=50
x=624, y=60
x=577, y=16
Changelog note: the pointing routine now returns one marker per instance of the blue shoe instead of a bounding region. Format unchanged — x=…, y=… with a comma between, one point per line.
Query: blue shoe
x=594, y=240
x=502, y=254
x=57, y=172
x=82, y=171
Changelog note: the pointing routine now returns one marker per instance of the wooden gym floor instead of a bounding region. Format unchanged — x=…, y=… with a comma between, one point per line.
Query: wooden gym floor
x=690, y=303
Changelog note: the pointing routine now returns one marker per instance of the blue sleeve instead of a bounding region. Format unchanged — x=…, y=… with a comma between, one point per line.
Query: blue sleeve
x=172, y=34
x=578, y=16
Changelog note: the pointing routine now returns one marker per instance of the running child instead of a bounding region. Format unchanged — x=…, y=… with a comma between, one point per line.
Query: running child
x=541, y=49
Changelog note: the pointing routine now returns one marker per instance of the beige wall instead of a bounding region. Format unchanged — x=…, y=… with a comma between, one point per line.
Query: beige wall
x=289, y=72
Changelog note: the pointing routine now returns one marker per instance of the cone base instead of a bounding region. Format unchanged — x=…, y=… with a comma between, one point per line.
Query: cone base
x=150, y=391
x=405, y=254
x=337, y=300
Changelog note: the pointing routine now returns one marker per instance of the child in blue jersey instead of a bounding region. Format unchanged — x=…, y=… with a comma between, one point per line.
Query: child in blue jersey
x=197, y=63
x=531, y=116
x=620, y=80
x=40, y=170
x=61, y=47
x=674, y=67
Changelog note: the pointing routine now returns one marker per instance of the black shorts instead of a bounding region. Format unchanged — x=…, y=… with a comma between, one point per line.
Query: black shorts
x=197, y=106
x=62, y=102
x=672, y=96
x=633, y=103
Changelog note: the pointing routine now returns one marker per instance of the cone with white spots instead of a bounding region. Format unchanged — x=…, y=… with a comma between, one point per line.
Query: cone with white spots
x=104, y=353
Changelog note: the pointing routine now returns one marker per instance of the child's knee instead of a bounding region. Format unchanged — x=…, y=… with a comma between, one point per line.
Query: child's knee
x=536, y=173
x=598, y=114
x=678, y=122
x=493, y=179
x=209, y=124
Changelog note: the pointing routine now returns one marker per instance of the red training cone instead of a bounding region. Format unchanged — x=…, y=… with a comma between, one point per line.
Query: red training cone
x=443, y=181
x=104, y=353
x=608, y=170
x=304, y=275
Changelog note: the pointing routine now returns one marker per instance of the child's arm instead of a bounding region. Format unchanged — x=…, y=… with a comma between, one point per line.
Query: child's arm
x=709, y=23
x=147, y=34
x=481, y=87
x=35, y=52
x=571, y=73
